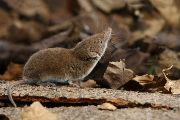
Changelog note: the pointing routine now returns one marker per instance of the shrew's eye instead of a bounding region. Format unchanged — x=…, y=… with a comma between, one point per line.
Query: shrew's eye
x=91, y=58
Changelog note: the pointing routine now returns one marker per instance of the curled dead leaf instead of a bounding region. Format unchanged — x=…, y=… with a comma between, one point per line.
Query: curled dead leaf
x=151, y=25
x=147, y=83
x=86, y=5
x=169, y=39
x=29, y=7
x=169, y=9
x=168, y=58
x=144, y=79
x=5, y=23
x=31, y=31
x=171, y=85
x=135, y=59
x=14, y=71
x=109, y=5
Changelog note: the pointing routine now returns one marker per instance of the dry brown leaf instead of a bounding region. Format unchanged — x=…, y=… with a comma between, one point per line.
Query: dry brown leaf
x=89, y=84
x=11, y=27
x=169, y=39
x=144, y=79
x=86, y=5
x=93, y=22
x=171, y=85
x=168, y=58
x=4, y=117
x=135, y=59
x=109, y=5
x=134, y=4
x=31, y=31
x=117, y=75
x=14, y=71
x=5, y=23
x=29, y=7
x=107, y=106
x=124, y=21
x=147, y=83
x=151, y=25
x=37, y=112
x=169, y=9
x=60, y=10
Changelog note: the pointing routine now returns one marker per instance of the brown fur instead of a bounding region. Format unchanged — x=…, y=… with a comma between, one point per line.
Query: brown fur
x=60, y=64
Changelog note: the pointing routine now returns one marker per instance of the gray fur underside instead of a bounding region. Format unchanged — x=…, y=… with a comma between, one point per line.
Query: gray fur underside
x=55, y=81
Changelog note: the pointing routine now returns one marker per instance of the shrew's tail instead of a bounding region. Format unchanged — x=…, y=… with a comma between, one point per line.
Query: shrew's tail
x=10, y=86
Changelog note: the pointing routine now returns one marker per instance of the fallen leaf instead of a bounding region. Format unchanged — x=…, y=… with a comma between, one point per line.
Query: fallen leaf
x=109, y=5
x=147, y=83
x=31, y=31
x=107, y=106
x=169, y=9
x=89, y=84
x=169, y=39
x=4, y=117
x=86, y=5
x=135, y=59
x=171, y=85
x=60, y=10
x=117, y=75
x=37, y=112
x=93, y=22
x=168, y=58
x=5, y=23
x=14, y=71
x=134, y=4
x=144, y=79
x=150, y=26
x=29, y=7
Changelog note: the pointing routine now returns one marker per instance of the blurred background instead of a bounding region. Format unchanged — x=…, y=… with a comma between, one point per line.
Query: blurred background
x=146, y=33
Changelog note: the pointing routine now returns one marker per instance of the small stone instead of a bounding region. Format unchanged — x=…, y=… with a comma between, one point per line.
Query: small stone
x=37, y=112
x=107, y=106
x=116, y=75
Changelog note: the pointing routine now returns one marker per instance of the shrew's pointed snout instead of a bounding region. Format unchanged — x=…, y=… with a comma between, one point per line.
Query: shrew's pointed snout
x=107, y=33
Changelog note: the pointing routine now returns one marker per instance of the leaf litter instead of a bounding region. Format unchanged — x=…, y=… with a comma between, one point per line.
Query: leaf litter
x=145, y=34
